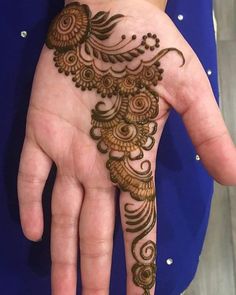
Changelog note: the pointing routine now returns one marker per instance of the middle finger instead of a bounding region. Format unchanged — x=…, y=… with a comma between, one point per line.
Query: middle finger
x=97, y=221
x=66, y=203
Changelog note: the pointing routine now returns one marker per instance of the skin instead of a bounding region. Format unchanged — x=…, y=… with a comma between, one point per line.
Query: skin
x=57, y=130
x=159, y=3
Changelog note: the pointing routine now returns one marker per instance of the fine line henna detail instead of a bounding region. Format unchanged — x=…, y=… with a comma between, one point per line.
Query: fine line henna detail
x=127, y=128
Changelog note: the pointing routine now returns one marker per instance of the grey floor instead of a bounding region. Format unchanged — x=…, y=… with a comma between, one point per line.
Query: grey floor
x=217, y=269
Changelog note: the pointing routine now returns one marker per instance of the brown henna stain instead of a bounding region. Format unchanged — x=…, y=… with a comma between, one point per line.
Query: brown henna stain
x=126, y=129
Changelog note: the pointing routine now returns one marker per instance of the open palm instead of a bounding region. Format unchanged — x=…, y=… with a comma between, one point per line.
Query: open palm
x=60, y=129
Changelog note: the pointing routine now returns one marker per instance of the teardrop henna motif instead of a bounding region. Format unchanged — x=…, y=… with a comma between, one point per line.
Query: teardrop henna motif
x=127, y=128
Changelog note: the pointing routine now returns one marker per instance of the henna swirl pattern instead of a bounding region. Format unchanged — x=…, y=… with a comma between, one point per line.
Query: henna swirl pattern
x=142, y=107
x=127, y=128
x=70, y=27
x=107, y=85
x=67, y=62
x=129, y=85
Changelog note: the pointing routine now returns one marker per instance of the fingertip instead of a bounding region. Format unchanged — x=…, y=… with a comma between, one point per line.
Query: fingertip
x=32, y=235
x=33, y=238
x=33, y=172
x=32, y=223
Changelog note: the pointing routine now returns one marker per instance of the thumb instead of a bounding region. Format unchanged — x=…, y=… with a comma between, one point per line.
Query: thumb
x=196, y=104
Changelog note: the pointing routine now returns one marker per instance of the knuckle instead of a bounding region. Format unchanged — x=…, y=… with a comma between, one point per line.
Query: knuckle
x=99, y=193
x=64, y=221
x=30, y=178
x=95, y=248
x=30, y=202
x=105, y=189
x=94, y=290
x=95, y=254
x=56, y=262
x=128, y=239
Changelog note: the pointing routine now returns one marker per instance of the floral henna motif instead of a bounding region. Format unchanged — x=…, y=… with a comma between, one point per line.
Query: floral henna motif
x=127, y=128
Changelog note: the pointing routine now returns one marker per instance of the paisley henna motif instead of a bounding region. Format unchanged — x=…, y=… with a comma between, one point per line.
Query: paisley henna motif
x=126, y=129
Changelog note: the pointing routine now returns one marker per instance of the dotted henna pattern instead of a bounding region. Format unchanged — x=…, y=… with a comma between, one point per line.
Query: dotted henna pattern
x=127, y=128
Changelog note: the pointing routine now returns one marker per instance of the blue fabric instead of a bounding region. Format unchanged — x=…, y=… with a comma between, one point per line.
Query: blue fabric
x=184, y=187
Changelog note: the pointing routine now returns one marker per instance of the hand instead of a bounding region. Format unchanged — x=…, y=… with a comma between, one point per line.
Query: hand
x=93, y=155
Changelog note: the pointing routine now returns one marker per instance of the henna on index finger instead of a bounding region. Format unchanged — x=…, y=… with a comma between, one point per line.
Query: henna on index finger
x=125, y=130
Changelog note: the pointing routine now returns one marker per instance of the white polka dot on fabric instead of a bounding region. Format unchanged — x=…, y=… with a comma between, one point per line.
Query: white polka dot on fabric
x=180, y=17
x=198, y=158
x=169, y=261
x=23, y=34
x=209, y=72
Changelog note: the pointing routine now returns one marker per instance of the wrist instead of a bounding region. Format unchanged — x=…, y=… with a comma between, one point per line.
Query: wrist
x=161, y=4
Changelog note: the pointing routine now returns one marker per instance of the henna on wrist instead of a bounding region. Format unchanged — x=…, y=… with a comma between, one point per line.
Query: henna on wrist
x=126, y=130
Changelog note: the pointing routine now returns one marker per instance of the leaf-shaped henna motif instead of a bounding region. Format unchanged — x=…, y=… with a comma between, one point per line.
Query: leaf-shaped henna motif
x=127, y=128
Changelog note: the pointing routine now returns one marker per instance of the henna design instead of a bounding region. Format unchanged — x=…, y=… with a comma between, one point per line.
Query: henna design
x=139, y=184
x=142, y=220
x=127, y=128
